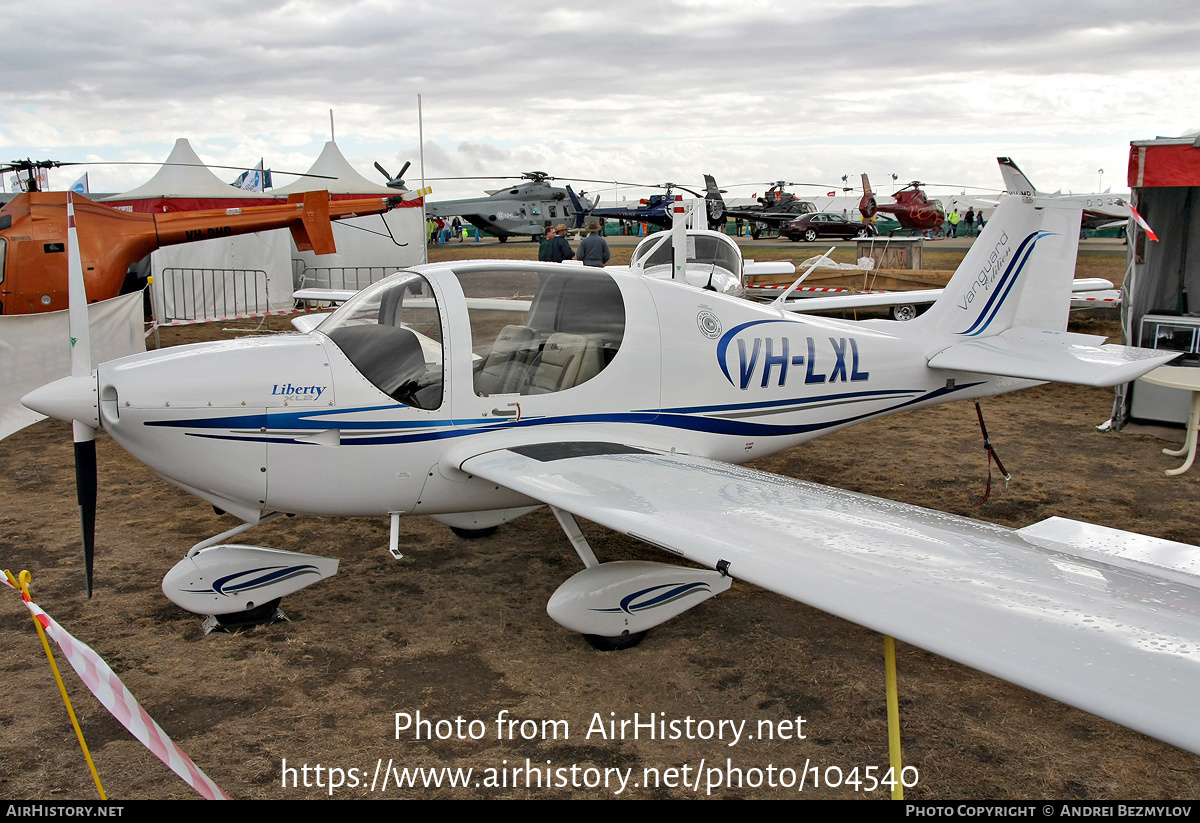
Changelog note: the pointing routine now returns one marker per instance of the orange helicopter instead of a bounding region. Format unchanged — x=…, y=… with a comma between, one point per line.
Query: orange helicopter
x=33, y=239
x=912, y=209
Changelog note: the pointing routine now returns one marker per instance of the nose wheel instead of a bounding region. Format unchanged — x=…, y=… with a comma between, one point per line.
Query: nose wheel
x=615, y=644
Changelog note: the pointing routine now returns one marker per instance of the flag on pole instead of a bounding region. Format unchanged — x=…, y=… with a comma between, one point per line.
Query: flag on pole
x=80, y=186
x=254, y=179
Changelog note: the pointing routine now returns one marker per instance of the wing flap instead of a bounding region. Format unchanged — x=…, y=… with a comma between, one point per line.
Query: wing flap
x=1113, y=638
x=1042, y=354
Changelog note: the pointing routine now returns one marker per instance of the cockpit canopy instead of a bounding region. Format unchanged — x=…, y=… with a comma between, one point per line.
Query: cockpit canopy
x=392, y=334
x=537, y=331
x=714, y=260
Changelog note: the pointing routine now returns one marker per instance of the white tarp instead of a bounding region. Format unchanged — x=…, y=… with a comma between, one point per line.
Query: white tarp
x=183, y=175
x=223, y=277
x=368, y=248
x=35, y=349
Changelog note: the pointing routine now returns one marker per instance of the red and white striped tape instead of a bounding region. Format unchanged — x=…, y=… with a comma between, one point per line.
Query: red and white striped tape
x=818, y=289
x=111, y=692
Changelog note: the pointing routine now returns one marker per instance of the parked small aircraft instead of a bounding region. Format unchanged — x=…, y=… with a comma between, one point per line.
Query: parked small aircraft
x=914, y=211
x=33, y=239
x=777, y=208
x=474, y=391
x=524, y=209
x=1101, y=209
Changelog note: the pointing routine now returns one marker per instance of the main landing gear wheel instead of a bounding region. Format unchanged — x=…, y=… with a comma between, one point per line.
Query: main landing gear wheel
x=907, y=312
x=266, y=613
x=810, y=235
x=474, y=534
x=504, y=238
x=615, y=644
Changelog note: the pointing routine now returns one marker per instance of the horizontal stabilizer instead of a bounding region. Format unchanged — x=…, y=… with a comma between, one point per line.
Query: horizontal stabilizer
x=1041, y=354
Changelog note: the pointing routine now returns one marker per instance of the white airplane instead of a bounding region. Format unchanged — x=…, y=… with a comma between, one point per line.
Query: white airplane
x=1099, y=210
x=476, y=391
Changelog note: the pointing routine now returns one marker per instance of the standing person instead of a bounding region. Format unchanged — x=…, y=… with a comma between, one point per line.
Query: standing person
x=456, y=228
x=544, y=245
x=970, y=221
x=560, y=249
x=980, y=219
x=952, y=219
x=593, y=251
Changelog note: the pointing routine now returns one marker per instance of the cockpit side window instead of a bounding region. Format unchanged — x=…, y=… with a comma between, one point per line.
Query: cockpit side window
x=537, y=333
x=392, y=333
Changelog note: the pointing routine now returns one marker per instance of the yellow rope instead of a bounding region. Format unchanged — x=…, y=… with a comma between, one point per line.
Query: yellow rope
x=24, y=586
x=893, y=711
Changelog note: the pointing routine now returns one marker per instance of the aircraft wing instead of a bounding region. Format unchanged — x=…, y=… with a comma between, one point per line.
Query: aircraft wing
x=324, y=295
x=1086, y=292
x=1104, y=620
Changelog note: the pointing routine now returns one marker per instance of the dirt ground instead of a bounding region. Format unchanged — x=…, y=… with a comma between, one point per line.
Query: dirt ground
x=458, y=628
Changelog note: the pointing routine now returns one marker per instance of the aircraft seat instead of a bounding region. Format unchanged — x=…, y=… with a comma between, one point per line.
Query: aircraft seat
x=506, y=365
x=567, y=360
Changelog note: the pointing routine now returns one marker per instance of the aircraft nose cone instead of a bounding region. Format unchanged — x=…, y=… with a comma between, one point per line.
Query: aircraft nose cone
x=71, y=398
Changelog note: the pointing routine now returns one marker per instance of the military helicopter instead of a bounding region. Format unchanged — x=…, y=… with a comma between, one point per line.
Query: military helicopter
x=914, y=211
x=524, y=209
x=776, y=208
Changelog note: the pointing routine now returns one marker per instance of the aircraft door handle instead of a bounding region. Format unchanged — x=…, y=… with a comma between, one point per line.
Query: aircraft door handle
x=509, y=412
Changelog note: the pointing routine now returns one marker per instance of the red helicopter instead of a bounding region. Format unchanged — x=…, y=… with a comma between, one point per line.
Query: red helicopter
x=914, y=211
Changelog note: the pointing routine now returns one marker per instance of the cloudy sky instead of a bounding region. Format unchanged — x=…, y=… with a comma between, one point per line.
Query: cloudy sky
x=749, y=91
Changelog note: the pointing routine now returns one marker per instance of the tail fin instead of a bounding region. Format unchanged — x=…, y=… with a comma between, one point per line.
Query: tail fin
x=581, y=211
x=314, y=231
x=1018, y=272
x=1015, y=181
x=867, y=206
x=714, y=203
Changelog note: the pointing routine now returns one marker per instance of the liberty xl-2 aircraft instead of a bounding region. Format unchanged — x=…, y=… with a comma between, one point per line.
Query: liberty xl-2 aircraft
x=475, y=391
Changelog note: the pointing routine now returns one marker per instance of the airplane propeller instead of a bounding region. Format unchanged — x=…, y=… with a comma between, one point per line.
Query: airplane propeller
x=74, y=398
x=83, y=433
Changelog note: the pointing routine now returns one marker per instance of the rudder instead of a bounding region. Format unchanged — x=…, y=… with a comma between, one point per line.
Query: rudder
x=1017, y=273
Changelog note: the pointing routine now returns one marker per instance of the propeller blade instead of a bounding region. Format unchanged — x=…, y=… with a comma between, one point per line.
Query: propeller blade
x=387, y=175
x=81, y=367
x=85, y=492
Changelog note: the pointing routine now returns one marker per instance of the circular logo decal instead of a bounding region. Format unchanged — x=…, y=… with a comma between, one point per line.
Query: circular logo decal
x=709, y=325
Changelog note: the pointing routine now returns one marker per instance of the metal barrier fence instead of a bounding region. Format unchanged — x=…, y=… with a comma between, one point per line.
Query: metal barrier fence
x=338, y=277
x=190, y=295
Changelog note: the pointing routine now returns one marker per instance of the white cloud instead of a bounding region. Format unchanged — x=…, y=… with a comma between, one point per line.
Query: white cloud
x=648, y=91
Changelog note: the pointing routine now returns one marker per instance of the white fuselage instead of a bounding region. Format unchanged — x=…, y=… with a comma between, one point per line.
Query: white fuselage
x=289, y=424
